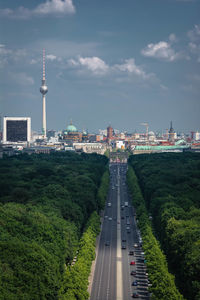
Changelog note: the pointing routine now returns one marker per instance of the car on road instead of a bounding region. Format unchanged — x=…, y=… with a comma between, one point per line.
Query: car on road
x=105, y=217
x=135, y=283
x=131, y=252
x=110, y=219
x=133, y=273
x=122, y=217
x=124, y=241
x=128, y=231
x=132, y=263
x=135, y=295
x=123, y=247
x=107, y=243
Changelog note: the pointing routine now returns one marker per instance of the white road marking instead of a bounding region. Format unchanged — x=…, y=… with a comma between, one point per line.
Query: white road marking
x=109, y=268
x=119, y=294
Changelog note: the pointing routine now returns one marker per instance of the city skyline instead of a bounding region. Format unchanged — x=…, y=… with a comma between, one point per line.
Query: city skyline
x=106, y=63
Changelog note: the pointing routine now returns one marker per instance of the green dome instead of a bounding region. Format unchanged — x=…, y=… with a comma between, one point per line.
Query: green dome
x=71, y=128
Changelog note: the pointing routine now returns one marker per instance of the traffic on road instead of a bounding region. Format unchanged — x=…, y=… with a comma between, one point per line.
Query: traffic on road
x=120, y=269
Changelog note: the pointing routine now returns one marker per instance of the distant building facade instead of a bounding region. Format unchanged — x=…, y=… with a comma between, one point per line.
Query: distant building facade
x=195, y=135
x=109, y=132
x=99, y=148
x=71, y=134
x=16, y=129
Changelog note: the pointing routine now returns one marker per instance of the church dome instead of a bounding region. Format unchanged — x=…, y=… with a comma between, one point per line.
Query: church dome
x=151, y=133
x=71, y=128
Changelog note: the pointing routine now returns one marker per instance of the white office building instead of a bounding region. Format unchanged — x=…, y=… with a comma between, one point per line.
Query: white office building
x=16, y=129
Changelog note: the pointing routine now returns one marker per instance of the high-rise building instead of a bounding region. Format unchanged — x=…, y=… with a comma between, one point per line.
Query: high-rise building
x=43, y=91
x=16, y=129
x=109, y=132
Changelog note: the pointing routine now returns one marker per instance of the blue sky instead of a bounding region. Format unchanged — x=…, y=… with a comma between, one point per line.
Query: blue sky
x=107, y=62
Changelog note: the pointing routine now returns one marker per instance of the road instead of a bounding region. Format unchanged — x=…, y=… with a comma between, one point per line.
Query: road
x=112, y=278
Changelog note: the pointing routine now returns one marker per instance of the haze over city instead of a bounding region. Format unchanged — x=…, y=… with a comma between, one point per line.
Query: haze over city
x=107, y=62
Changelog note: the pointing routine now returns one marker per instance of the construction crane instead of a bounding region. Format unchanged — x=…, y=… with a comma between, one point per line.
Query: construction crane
x=147, y=130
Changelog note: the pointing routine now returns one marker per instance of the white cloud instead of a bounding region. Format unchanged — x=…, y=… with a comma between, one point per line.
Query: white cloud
x=4, y=50
x=50, y=7
x=33, y=61
x=55, y=7
x=20, y=13
x=51, y=57
x=194, y=34
x=4, y=53
x=172, y=37
x=164, y=87
x=194, y=43
x=130, y=67
x=161, y=50
x=99, y=67
x=94, y=64
x=72, y=62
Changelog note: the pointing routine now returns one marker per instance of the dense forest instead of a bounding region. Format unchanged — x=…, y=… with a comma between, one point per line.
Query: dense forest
x=48, y=206
x=170, y=184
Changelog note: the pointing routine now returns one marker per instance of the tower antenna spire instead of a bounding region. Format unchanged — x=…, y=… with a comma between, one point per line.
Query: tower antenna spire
x=43, y=77
x=43, y=91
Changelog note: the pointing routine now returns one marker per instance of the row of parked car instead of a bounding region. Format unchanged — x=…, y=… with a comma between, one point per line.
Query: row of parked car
x=140, y=273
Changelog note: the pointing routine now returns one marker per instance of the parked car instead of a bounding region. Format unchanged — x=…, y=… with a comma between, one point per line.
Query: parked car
x=123, y=247
x=131, y=252
x=133, y=273
x=135, y=295
x=132, y=263
x=135, y=283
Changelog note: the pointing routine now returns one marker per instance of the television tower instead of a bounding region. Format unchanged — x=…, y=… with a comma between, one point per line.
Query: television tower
x=43, y=91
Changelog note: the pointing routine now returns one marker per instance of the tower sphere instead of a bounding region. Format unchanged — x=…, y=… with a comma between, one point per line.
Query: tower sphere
x=43, y=89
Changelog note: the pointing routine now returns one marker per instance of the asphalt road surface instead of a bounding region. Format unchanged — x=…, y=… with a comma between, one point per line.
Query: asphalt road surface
x=112, y=278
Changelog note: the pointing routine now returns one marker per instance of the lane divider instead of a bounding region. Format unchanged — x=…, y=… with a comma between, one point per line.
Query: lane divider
x=119, y=292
